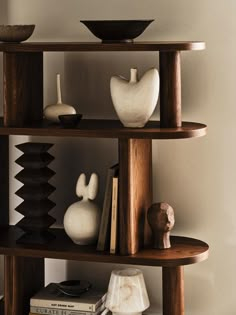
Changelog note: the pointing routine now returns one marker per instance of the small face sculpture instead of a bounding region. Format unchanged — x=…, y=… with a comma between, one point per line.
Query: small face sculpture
x=161, y=217
x=165, y=219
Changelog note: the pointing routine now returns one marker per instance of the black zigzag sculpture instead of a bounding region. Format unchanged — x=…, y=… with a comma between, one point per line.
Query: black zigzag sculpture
x=35, y=192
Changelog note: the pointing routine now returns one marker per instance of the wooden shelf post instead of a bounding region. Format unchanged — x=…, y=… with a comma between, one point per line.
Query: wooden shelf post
x=135, y=193
x=23, y=88
x=173, y=290
x=23, y=277
x=170, y=89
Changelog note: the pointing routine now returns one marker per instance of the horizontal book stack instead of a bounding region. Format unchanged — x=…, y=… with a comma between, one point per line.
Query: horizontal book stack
x=51, y=301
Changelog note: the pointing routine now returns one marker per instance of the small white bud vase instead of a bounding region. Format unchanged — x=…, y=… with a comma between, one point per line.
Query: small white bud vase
x=51, y=112
x=82, y=218
x=135, y=100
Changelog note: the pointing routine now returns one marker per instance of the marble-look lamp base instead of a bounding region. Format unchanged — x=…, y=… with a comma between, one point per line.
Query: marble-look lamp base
x=127, y=294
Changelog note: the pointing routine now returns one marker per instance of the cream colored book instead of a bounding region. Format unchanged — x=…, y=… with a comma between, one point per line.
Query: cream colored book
x=51, y=297
x=114, y=213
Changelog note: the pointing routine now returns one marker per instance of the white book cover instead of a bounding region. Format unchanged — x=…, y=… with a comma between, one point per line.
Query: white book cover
x=54, y=311
x=51, y=297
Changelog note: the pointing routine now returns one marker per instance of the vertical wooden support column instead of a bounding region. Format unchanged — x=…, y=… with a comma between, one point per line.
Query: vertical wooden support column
x=170, y=89
x=173, y=290
x=135, y=193
x=23, y=277
x=23, y=88
x=4, y=182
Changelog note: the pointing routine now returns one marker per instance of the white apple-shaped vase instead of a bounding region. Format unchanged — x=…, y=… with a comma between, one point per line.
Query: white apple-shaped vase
x=51, y=112
x=82, y=218
x=135, y=100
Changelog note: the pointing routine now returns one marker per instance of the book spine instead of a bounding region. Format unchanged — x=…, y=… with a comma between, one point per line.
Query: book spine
x=67, y=306
x=104, y=230
x=105, y=214
x=114, y=209
x=53, y=311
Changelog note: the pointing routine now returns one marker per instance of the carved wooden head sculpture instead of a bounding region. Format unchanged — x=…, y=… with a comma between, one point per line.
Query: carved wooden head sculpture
x=161, y=220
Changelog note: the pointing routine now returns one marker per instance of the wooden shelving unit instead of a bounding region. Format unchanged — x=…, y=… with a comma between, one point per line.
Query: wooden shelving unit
x=94, y=128
x=184, y=251
x=23, y=115
x=97, y=46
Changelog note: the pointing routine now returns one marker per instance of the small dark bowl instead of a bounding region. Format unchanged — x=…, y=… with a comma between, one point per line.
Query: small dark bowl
x=113, y=31
x=16, y=33
x=73, y=287
x=70, y=120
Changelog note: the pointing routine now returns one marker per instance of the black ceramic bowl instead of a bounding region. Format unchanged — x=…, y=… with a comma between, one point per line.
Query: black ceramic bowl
x=70, y=120
x=112, y=31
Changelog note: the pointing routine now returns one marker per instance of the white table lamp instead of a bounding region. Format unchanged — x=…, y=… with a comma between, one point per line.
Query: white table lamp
x=127, y=294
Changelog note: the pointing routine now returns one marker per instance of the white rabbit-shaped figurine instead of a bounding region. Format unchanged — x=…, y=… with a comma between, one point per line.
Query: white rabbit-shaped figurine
x=82, y=218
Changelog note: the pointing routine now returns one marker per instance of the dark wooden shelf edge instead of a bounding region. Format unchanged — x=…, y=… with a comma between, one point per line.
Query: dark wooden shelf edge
x=184, y=251
x=104, y=128
x=98, y=46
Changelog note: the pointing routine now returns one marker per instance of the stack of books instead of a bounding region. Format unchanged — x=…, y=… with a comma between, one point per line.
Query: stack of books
x=51, y=301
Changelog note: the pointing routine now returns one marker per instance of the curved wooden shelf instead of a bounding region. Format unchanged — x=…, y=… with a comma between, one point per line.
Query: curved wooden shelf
x=184, y=251
x=94, y=128
x=98, y=46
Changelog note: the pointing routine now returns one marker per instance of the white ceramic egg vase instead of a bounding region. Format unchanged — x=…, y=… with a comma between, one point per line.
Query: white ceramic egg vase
x=51, y=112
x=82, y=218
x=135, y=100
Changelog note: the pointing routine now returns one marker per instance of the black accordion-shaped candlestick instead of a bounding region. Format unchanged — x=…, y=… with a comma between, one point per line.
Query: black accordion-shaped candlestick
x=35, y=192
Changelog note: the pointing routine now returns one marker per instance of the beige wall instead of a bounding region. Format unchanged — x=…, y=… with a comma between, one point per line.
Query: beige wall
x=197, y=177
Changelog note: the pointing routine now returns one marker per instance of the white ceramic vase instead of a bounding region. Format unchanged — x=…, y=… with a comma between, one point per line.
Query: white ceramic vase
x=51, y=112
x=82, y=218
x=135, y=100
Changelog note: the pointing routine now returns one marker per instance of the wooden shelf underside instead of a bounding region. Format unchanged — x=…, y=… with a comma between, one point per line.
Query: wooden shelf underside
x=98, y=46
x=99, y=128
x=184, y=251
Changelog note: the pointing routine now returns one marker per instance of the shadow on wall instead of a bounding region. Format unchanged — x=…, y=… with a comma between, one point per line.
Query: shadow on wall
x=3, y=11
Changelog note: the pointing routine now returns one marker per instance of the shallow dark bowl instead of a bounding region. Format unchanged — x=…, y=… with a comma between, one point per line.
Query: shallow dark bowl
x=70, y=120
x=74, y=287
x=16, y=33
x=112, y=31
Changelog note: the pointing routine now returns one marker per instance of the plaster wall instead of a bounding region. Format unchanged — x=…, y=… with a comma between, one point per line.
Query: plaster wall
x=197, y=177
